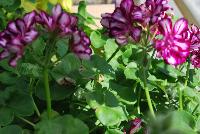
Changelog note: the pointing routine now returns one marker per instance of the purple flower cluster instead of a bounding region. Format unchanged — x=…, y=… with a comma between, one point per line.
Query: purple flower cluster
x=120, y=23
x=21, y=32
x=128, y=19
x=16, y=36
x=66, y=24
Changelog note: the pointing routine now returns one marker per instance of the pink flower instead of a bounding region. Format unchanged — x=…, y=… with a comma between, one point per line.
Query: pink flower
x=174, y=48
x=16, y=36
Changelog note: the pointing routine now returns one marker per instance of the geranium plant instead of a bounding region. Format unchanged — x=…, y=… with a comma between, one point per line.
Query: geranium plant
x=62, y=74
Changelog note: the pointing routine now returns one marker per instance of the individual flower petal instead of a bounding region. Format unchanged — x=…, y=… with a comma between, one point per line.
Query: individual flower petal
x=12, y=27
x=118, y=16
x=137, y=15
x=29, y=19
x=64, y=19
x=56, y=12
x=4, y=54
x=180, y=26
x=165, y=26
x=136, y=33
x=80, y=45
x=106, y=18
x=127, y=6
x=30, y=36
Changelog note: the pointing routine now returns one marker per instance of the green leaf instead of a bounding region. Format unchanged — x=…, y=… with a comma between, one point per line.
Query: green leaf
x=131, y=73
x=113, y=131
x=62, y=47
x=12, y=5
x=7, y=78
x=110, y=116
x=108, y=110
x=12, y=129
x=98, y=65
x=66, y=124
x=6, y=116
x=21, y=104
x=124, y=93
x=198, y=124
x=98, y=98
x=6, y=2
x=97, y=40
x=185, y=121
x=69, y=64
x=58, y=92
x=38, y=46
x=84, y=14
x=31, y=70
x=169, y=70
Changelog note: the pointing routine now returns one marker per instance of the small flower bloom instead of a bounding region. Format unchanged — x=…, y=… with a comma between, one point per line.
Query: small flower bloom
x=62, y=21
x=120, y=23
x=195, y=58
x=174, y=48
x=193, y=35
x=134, y=126
x=17, y=35
x=80, y=45
x=151, y=12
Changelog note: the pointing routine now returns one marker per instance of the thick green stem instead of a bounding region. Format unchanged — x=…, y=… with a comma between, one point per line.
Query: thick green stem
x=180, y=99
x=47, y=92
x=148, y=94
x=113, y=55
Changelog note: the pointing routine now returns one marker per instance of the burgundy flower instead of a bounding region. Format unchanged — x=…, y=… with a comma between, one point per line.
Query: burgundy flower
x=193, y=35
x=80, y=45
x=135, y=125
x=174, y=48
x=154, y=10
x=16, y=36
x=120, y=23
x=195, y=58
x=59, y=21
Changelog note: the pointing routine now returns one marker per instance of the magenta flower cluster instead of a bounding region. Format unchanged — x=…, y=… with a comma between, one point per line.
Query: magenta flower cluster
x=21, y=32
x=126, y=22
x=129, y=21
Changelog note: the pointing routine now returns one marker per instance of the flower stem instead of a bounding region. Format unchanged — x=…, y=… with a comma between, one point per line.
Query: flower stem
x=47, y=92
x=185, y=86
x=180, y=99
x=35, y=107
x=31, y=95
x=148, y=94
x=113, y=55
x=25, y=120
x=138, y=101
